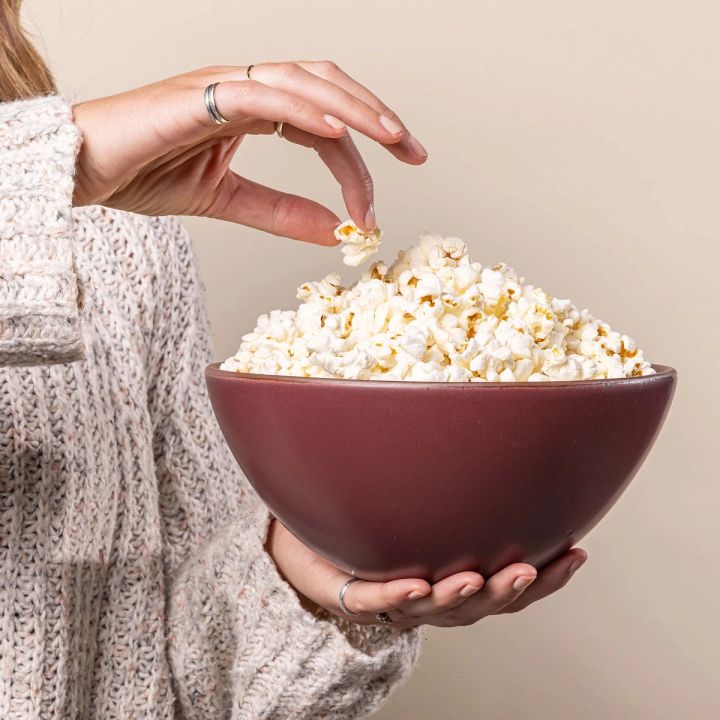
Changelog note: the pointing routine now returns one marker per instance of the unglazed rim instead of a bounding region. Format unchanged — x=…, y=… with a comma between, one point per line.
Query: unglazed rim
x=661, y=371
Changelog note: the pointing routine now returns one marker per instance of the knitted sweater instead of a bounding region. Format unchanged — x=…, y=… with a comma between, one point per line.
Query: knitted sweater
x=134, y=582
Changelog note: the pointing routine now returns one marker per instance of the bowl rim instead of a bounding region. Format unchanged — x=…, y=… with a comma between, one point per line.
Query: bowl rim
x=662, y=372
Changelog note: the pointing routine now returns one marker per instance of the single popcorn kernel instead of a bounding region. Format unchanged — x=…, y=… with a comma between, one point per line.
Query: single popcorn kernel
x=356, y=244
x=434, y=315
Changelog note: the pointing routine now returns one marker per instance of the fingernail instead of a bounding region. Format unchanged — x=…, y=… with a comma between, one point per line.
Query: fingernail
x=576, y=565
x=370, y=221
x=523, y=581
x=469, y=590
x=417, y=147
x=416, y=595
x=392, y=126
x=334, y=122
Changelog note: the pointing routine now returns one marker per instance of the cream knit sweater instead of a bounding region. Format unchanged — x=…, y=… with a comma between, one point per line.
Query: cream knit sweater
x=134, y=583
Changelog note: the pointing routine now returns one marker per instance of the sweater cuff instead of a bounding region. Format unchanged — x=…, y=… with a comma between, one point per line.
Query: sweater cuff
x=237, y=621
x=39, y=316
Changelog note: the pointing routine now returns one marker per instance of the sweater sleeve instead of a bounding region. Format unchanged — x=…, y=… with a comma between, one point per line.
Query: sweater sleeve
x=38, y=287
x=241, y=646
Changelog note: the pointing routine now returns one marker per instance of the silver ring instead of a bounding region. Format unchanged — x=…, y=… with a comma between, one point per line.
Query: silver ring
x=279, y=128
x=215, y=115
x=384, y=618
x=341, y=597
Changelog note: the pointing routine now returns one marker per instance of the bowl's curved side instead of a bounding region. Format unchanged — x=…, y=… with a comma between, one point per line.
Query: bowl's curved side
x=409, y=481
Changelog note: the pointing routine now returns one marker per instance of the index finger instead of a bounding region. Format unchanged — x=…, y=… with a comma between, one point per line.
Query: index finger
x=344, y=161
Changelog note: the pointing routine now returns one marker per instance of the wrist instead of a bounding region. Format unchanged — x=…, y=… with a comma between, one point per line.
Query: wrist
x=273, y=547
x=81, y=194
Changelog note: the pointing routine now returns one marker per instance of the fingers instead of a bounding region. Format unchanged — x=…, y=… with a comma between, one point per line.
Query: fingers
x=242, y=201
x=370, y=597
x=460, y=599
x=500, y=590
x=332, y=98
x=331, y=72
x=408, y=148
x=347, y=166
x=445, y=594
x=239, y=99
x=465, y=599
x=412, y=602
x=552, y=578
x=317, y=102
x=320, y=582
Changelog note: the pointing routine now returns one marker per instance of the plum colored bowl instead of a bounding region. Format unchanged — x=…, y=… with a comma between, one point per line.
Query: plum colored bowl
x=407, y=479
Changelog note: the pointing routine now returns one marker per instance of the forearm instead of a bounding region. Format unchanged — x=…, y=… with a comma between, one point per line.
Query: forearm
x=234, y=620
x=271, y=547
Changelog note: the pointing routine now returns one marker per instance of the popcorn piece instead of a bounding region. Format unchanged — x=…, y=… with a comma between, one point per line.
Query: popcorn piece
x=434, y=315
x=356, y=244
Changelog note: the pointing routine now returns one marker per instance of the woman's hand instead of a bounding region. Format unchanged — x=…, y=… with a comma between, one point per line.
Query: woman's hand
x=156, y=151
x=460, y=599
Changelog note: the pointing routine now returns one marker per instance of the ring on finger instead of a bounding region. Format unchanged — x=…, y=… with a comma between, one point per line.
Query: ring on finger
x=211, y=106
x=279, y=128
x=341, y=595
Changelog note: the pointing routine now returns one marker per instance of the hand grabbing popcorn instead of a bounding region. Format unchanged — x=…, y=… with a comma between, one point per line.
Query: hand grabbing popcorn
x=434, y=315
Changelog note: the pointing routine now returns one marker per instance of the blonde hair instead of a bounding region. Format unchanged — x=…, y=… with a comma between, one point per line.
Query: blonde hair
x=23, y=72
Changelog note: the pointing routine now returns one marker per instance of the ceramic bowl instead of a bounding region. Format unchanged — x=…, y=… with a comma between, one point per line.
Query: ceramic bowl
x=412, y=479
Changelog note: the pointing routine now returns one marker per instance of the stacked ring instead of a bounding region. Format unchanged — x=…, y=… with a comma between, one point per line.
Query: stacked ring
x=215, y=115
x=218, y=118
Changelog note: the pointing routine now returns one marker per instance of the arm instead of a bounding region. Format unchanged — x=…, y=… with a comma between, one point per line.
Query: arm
x=240, y=643
x=39, y=320
x=242, y=646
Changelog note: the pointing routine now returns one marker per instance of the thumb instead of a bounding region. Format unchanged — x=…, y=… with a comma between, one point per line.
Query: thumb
x=245, y=202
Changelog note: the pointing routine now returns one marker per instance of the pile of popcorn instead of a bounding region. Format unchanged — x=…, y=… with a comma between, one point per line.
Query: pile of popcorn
x=434, y=315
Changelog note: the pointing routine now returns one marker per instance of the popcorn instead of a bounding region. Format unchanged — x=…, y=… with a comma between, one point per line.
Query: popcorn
x=356, y=244
x=433, y=316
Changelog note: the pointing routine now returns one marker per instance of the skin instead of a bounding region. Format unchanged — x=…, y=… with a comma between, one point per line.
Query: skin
x=154, y=150
x=461, y=599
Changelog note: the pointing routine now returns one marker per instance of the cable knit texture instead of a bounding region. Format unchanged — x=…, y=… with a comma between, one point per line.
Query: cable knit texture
x=134, y=583
x=38, y=287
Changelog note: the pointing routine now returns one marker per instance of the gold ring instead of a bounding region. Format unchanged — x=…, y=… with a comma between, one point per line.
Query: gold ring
x=279, y=129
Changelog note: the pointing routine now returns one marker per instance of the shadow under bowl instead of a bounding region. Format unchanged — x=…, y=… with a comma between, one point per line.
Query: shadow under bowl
x=413, y=479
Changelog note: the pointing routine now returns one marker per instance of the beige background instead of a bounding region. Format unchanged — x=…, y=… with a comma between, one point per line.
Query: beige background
x=581, y=143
